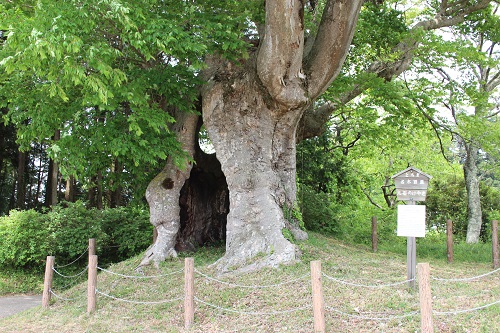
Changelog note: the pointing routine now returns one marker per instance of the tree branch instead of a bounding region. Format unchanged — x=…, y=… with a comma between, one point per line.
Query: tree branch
x=371, y=200
x=331, y=44
x=279, y=61
x=389, y=70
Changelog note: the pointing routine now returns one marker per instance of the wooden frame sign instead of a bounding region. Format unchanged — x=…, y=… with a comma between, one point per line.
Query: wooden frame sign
x=411, y=184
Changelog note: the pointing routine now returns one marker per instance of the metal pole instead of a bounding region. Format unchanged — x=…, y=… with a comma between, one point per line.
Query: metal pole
x=411, y=257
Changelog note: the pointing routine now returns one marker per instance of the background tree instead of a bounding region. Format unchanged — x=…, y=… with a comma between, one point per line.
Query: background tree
x=462, y=71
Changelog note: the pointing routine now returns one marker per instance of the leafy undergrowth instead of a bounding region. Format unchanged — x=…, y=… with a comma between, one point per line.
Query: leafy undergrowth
x=279, y=299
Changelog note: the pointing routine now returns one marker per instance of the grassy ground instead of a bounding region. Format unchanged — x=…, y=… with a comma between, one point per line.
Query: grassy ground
x=281, y=307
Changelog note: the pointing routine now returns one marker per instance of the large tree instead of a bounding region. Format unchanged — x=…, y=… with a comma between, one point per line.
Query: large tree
x=256, y=67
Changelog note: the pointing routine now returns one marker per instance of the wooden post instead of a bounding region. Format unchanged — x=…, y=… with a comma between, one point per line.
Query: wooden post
x=317, y=295
x=424, y=291
x=494, y=243
x=47, y=281
x=188, y=292
x=449, y=240
x=92, y=284
x=91, y=247
x=374, y=234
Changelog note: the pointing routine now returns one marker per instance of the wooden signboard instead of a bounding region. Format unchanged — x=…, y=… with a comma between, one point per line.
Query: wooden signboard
x=411, y=184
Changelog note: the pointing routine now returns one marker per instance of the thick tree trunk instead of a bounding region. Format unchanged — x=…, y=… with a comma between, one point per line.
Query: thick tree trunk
x=255, y=144
x=471, y=175
x=251, y=111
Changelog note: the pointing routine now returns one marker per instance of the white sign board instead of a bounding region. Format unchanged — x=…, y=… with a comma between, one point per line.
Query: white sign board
x=411, y=220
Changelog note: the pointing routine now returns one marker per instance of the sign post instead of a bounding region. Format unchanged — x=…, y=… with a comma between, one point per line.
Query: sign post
x=411, y=186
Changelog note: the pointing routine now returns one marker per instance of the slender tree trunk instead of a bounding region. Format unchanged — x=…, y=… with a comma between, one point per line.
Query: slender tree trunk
x=69, y=193
x=472, y=180
x=51, y=197
x=115, y=193
x=99, y=192
x=21, y=183
x=163, y=194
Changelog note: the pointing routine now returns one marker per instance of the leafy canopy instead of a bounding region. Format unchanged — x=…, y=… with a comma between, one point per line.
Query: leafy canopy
x=108, y=73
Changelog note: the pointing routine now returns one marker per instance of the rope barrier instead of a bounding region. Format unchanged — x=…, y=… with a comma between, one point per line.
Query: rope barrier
x=248, y=286
x=138, y=302
x=410, y=314
x=139, y=276
x=60, y=297
x=466, y=279
x=465, y=310
x=70, y=276
x=71, y=263
x=376, y=286
x=255, y=313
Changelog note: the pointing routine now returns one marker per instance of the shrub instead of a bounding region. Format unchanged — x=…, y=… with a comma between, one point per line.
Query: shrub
x=128, y=229
x=317, y=211
x=25, y=239
x=70, y=226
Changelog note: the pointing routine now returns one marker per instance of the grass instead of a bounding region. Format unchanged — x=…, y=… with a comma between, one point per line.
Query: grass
x=229, y=308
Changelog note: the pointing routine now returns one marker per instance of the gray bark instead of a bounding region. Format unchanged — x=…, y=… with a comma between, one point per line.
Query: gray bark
x=163, y=194
x=257, y=157
x=251, y=112
x=472, y=180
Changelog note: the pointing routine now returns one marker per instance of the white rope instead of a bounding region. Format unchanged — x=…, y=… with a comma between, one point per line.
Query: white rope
x=248, y=286
x=70, y=276
x=465, y=310
x=60, y=297
x=254, y=313
x=372, y=318
x=466, y=279
x=139, y=276
x=71, y=263
x=364, y=285
x=138, y=302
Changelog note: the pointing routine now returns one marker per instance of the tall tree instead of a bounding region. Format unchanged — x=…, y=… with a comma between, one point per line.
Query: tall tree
x=262, y=63
x=465, y=66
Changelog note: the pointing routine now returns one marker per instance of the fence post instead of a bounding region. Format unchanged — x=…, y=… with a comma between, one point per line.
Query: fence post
x=424, y=291
x=494, y=243
x=92, y=284
x=91, y=247
x=449, y=240
x=188, y=292
x=374, y=234
x=317, y=295
x=47, y=281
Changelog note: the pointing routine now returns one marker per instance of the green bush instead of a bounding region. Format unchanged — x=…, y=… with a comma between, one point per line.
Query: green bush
x=128, y=229
x=28, y=237
x=25, y=239
x=70, y=226
x=317, y=211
